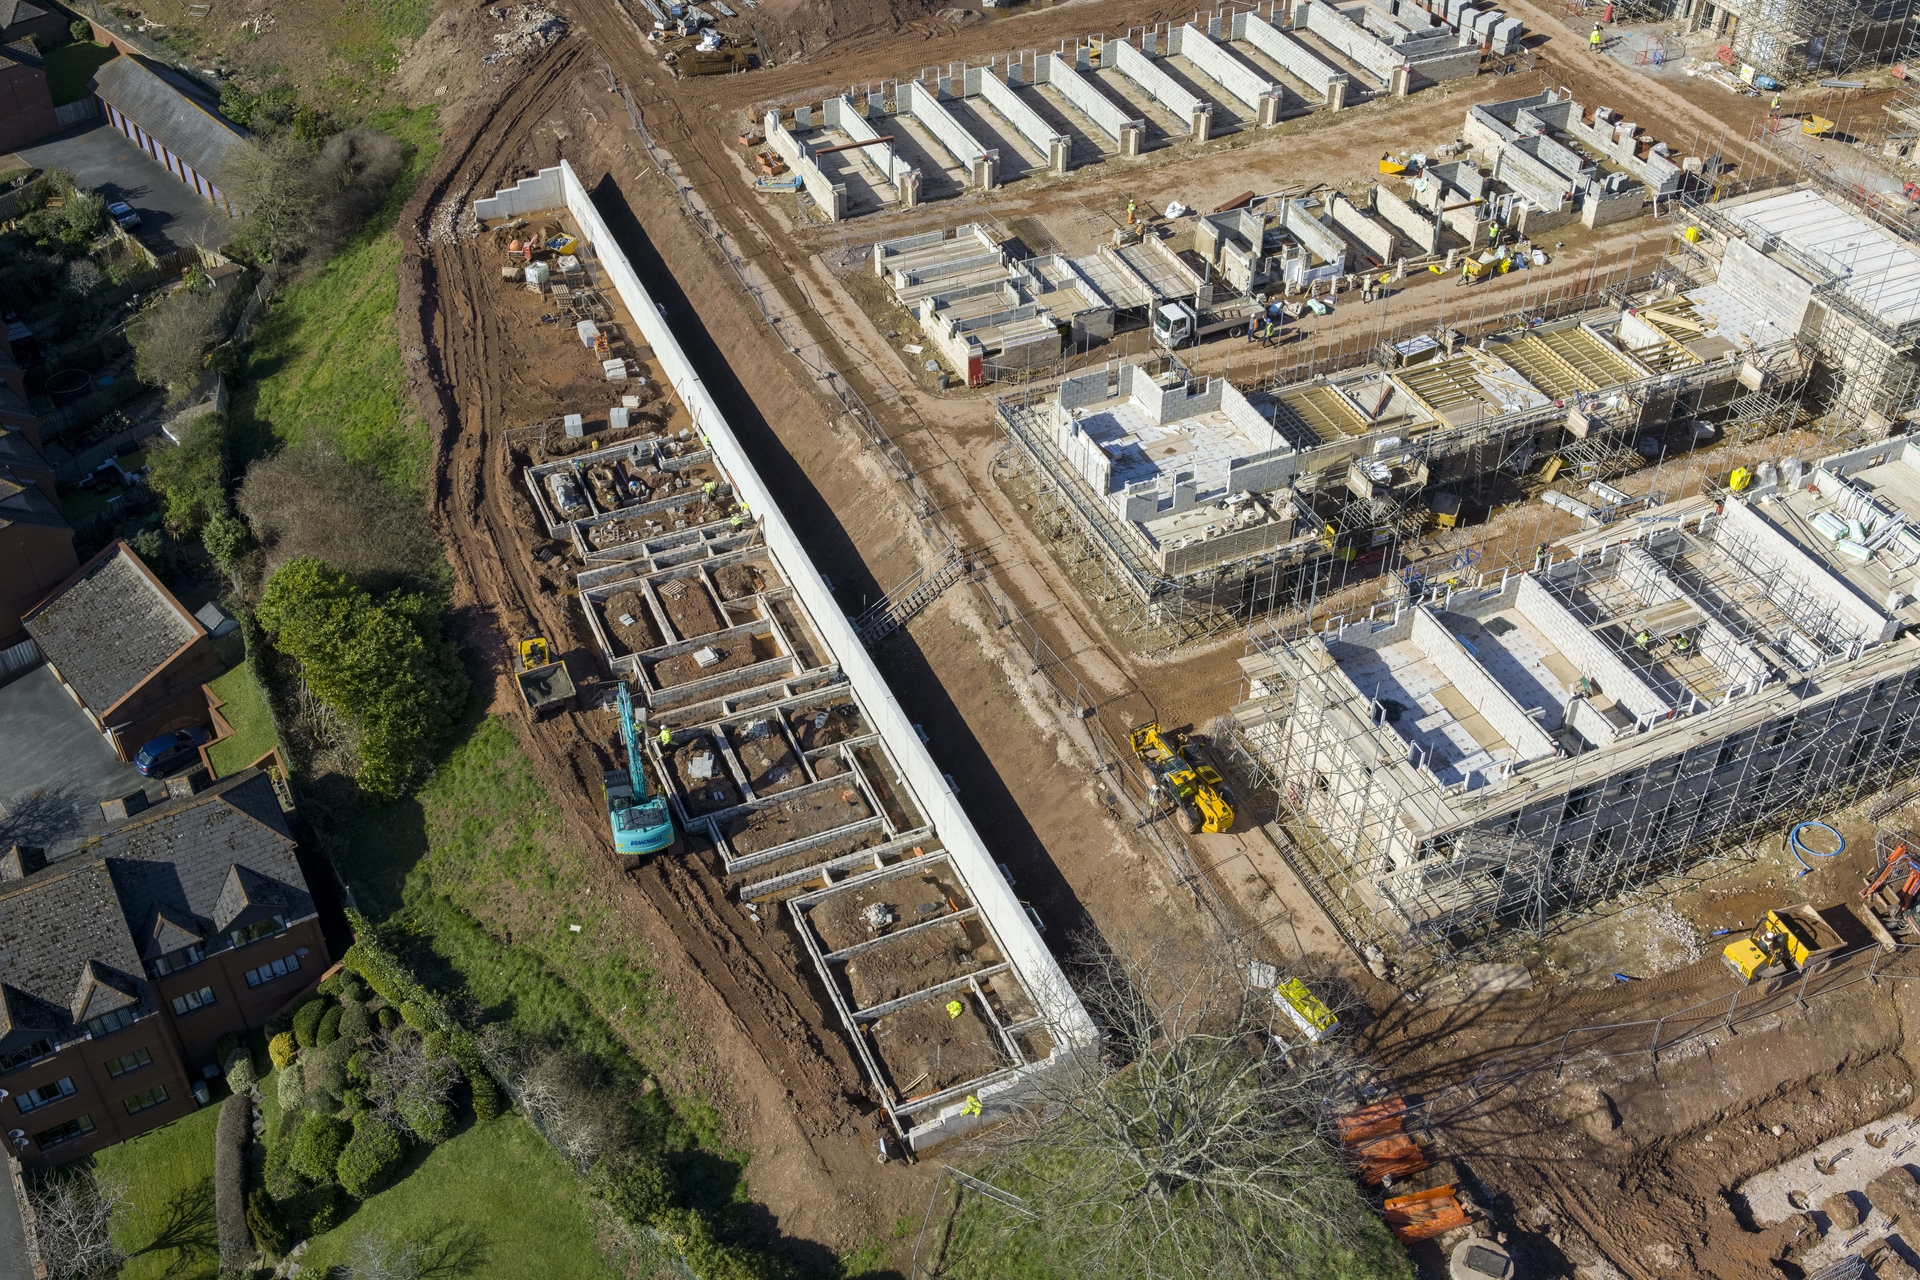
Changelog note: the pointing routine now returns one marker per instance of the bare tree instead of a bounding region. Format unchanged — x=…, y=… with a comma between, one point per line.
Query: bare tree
x=378, y=1257
x=171, y=340
x=72, y=1214
x=310, y=501
x=1191, y=1143
x=574, y=1102
x=401, y=1073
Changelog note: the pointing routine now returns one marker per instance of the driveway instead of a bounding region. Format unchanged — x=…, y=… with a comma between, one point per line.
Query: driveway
x=13, y=1238
x=172, y=214
x=55, y=768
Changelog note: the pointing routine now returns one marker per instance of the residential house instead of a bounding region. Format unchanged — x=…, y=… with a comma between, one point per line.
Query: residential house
x=122, y=965
x=26, y=103
x=130, y=654
x=46, y=24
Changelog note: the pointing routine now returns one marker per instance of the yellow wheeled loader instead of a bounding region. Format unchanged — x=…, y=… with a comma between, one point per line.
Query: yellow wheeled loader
x=1196, y=789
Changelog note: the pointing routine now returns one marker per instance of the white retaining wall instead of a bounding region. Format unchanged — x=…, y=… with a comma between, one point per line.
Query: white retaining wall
x=1057, y=147
x=529, y=195
x=1139, y=68
x=989, y=889
x=840, y=113
x=829, y=196
x=923, y=105
x=1353, y=40
x=1057, y=71
x=1225, y=70
x=1301, y=62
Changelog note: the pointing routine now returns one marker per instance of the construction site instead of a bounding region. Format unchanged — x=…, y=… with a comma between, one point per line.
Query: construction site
x=1374, y=481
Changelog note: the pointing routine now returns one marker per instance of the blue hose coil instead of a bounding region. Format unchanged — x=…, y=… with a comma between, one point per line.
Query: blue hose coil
x=1801, y=853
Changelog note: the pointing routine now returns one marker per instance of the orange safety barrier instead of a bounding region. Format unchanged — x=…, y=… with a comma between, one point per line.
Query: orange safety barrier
x=1425, y=1214
x=1392, y=1156
x=1372, y=1120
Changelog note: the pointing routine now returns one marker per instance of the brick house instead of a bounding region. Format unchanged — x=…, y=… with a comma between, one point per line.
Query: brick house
x=122, y=965
x=45, y=23
x=26, y=101
x=126, y=650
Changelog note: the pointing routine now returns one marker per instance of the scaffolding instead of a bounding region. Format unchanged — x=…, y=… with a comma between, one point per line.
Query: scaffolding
x=1790, y=708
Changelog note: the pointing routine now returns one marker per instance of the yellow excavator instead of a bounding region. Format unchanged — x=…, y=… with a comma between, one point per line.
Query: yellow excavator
x=1196, y=789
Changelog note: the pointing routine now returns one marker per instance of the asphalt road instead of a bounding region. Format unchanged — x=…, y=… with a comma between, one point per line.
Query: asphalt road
x=55, y=768
x=172, y=214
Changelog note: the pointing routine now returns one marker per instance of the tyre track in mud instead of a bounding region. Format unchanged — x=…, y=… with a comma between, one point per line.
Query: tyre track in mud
x=758, y=1020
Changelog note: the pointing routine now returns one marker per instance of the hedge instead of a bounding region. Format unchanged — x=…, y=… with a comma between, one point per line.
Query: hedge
x=369, y=1160
x=281, y=1049
x=230, y=1180
x=329, y=1029
x=306, y=1020
x=263, y=1220
x=317, y=1147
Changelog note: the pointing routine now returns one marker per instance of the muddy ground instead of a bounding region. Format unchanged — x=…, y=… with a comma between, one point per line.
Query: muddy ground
x=769, y=1056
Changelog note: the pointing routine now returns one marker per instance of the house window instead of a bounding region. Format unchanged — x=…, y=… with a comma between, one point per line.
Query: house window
x=257, y=930
x=183, y=1004
x=78, y=1127
x=129, y=1062
x=146, y=1099
x=34, y=1099
x=108, y=1023
x=268, y=972
x=28, y=1053
x=176, y=960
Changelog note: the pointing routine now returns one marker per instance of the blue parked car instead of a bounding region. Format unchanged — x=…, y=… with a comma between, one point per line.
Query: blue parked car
x=170, y=750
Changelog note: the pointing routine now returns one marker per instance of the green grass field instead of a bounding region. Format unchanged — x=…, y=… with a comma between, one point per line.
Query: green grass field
x=246, y=710
x=168, y=1174
x=326, y=363
x=70, y=66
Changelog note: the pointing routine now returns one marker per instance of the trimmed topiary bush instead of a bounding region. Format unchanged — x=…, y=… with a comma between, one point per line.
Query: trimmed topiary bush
x=282, y=1050
x=263, y=1223
x=283, y=1181
x=240, y=1073
x=293, y=1090
x=329, y=1029
x=487, y=1102
x=434, y=1043
x=416, y=1017
x=430, y=1119
x=355, y=1022
x=231, y=1135
x=306, y=1021
x=317, y=1147
x=371, y=1157
x=353, y=1100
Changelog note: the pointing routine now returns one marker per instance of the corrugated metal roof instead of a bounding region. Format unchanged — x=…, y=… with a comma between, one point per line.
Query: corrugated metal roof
x=203, y=138
x=1882, y=273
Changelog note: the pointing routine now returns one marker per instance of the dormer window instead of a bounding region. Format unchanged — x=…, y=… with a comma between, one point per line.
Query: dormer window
x=258, y=929
x=24, y=1054
x=176, y=960
x=108, y=1023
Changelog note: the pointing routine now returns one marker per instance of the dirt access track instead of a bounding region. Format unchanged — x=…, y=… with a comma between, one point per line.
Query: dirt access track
x=760, y=1043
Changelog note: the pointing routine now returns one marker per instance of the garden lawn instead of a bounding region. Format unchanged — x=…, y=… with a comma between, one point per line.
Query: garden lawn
x=70, y=66
x=168, y=1227
x=243, y=707
x=497, y=1190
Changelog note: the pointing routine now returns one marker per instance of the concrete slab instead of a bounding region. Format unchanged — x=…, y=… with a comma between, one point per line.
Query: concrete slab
x=55, y=768
x=172, y=214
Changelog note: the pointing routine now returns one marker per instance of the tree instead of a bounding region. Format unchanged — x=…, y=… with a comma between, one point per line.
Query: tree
x=192, y=479
x=408, y=1087
x=305, y=197
x=377, y=1257
x=310, y=501
x=371, y=1157
x=72, y=1212
x=575, y=1104
x=1191, y=1143
x=171, y=340
x=80, y=29
x=381, y=664
x=317, y=1146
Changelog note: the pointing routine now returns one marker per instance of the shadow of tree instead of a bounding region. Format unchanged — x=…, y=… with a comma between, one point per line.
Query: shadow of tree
x=186, y=1228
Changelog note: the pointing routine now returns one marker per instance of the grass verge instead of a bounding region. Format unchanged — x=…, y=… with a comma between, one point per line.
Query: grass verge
x=245, y=708
x=168, y=1228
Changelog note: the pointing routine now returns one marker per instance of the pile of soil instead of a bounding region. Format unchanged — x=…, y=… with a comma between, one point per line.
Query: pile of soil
x=841, y=721
x=690, y=607
x=747, y=578
x=829, y=767
x=709, y=794
x=770, y=763
x=917, y=962
x=926, y=1049
x=744, y=652
x=841, y=920
x=795, y=819
x=636, y=636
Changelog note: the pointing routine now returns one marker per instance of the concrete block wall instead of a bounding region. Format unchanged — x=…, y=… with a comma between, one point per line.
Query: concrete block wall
x=1599, y=663
x=1299, y=221
x=1263, y=472
x=1260, y=95
x=1140, y=69
x=1617, y=139
x=1181, y=400
x=1050, y=69
x=1300, y=62
x=1770, y=550
x=1351, y=39
x=1437, y=68
x=886, y=249
x=829, y=197
x=979, y=162
x=1241, y=413
x=1088, y=460
x=1654, y=585
x=1539, y=182
x=1559, y=157
x=1235, y=544
x=840, y=113
x=1485, y=694
x=1420, y=230
x=1376, y=236
x=1600, y=209
x=1773, y=287
x=1057, y=147
x=529, y=195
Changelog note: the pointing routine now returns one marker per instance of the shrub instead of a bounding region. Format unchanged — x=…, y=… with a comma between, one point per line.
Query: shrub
x=416, y=1017
x=306, y=1020
x=311, y=1211
x=369, y=1160
x=223, y=1049
x=357, y=1067
x=353, y=1100
x=389, y=1018
x=382, y=664
x=263, y=1222
x=329, y=1028
x=281, y=1050
x=170, y=344
x=430, y=1118
x=487, y=1102
x=293, y=1090
x=240, y=1075
x=310, y=501
x=639, y=1187
x=282, y=1180
x=80, y=29
x=317, y=1147
x=355, y=1023
x=377, y=969
x=230, y=1137
x=434, y=1044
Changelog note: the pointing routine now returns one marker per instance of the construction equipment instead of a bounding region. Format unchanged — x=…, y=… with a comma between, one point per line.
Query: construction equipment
x=1197, y=790
x=1175, y=324
x=1816, y=126
x=638, y=818
x=543, y=682
x=1390, y=163
x=1902, y=904
x=1305, y=1010
x=1790, y=938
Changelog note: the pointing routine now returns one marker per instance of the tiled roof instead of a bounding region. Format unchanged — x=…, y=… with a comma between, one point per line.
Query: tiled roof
x=12, y=11
x=204, y=139
x=110, y=628
x=53, y=926
x=21, y=502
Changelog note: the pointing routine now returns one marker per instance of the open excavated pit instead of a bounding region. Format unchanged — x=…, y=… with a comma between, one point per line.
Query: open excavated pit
x=706, y=785
x=629, y=622
x=795, y=819
x=920, y=960
x=690, y=607
x=734, y=653
x=925, y=1049
x=841, y=920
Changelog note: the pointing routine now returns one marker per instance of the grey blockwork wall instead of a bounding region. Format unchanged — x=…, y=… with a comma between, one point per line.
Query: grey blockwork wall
x=1770, y=549
x=1181, y=400
x=1654, y=585
x=1139, y=68
x=1235, y=544
x=1618, y=140
x=1300, y=62
x=829, y=197
x=1376, y=236
x=1482, y=692
x=1263, y=472
x=1423, y=232
x=1221, y=67
x=1351, y=39
x=1087, y=388
x=529, y=195
x=1023, y=118
x=1775, y=288
x=1299, y=221
x=840, y=113
x=924, y=105
x=1595, y=660
x=1540, y=183
x=1437, y=68
x=1050, y=69
x=885, y=250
